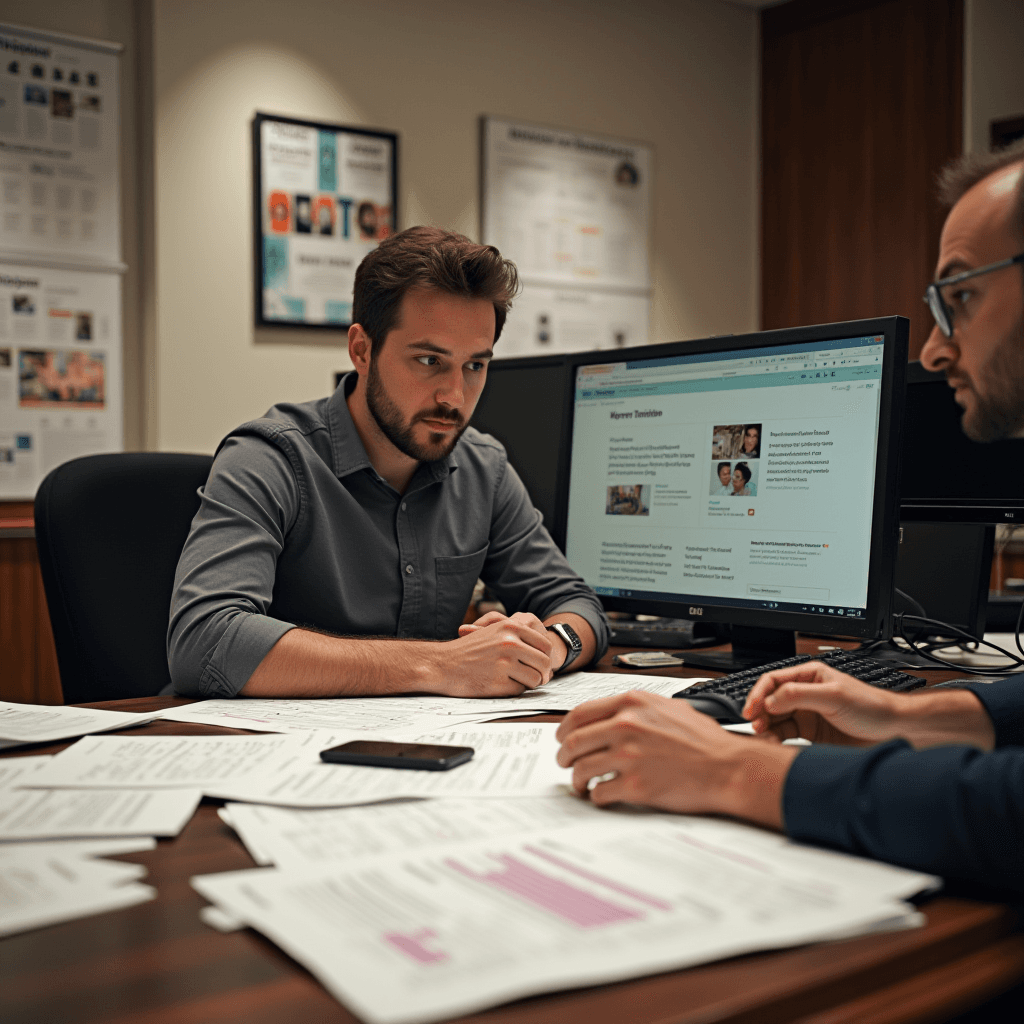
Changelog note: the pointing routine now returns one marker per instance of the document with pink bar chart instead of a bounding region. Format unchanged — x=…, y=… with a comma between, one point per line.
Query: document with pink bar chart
x=446, y=930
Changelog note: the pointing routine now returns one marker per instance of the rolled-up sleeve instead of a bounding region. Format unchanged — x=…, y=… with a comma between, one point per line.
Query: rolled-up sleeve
x=525, y=568
x=953, y=811
x=219, y=629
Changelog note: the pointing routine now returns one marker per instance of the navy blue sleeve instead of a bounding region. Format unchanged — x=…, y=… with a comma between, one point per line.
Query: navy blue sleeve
x=1004, y=702
x=951, y=811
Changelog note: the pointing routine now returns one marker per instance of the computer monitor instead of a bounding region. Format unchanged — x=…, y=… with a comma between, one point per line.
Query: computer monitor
x=947, y=477
x=748, y=479
x=523, y=405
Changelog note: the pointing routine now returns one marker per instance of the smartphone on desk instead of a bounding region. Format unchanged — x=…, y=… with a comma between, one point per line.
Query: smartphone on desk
x=431, y=757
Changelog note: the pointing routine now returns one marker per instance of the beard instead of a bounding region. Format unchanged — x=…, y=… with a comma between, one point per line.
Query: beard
x=998, y=408
x=400, y=433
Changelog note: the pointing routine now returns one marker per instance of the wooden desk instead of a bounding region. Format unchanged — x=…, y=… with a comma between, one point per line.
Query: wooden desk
x=159, y=964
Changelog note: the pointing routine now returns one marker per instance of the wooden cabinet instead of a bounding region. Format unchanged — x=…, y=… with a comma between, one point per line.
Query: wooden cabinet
x=28, y=659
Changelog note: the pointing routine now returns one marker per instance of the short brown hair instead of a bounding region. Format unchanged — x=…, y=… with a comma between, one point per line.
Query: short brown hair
x=962, y=174
x=427, y=257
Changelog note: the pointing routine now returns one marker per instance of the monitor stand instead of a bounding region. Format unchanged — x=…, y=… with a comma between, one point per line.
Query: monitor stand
x=752, y=646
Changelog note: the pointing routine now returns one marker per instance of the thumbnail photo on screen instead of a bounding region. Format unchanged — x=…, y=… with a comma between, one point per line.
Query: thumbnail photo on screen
x=736, y=441
x=634, y=500
x=734, y=478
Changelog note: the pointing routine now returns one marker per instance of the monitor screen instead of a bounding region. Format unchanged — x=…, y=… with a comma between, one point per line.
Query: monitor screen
x=748, y=480
x=947, y=477
x=523, y=406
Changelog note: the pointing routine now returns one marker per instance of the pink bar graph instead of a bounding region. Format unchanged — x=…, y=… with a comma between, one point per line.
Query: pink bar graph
x=576, y=906
x=413, y=945
x=608, y=883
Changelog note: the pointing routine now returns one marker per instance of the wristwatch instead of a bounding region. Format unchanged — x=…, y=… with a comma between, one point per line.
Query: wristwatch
x=573, y=644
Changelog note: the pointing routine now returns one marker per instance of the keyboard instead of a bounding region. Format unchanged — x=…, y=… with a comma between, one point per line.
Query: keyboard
x=876, y=673
x=670, y=634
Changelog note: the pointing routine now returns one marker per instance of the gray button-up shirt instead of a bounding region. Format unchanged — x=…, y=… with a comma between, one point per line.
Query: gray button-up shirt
x=296, y=528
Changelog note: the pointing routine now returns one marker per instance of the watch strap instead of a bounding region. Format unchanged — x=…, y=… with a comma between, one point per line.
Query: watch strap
x=573, y=644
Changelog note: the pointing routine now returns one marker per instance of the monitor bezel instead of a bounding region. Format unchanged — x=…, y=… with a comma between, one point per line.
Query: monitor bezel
x=877, y=621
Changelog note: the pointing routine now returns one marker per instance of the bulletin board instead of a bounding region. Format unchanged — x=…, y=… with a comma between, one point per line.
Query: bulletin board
x=60, y=254
x=572, y=210
x=324, y=196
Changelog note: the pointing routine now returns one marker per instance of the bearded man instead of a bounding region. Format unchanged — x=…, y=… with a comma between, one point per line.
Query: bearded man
x=339, y=540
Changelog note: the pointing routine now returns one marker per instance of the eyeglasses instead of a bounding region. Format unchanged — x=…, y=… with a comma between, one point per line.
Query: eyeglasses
x=933, y=296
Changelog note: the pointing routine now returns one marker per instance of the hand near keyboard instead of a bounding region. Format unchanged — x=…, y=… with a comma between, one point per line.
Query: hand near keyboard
x=823, y=705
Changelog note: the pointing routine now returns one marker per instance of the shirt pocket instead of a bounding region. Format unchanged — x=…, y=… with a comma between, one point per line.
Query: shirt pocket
x=456, y=577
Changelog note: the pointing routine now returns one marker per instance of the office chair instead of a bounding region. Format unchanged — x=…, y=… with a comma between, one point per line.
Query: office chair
x=110, y=529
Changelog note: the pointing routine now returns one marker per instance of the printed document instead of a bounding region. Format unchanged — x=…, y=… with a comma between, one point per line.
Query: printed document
x=308, y=838
x=71, y=813
x=34, y=723
x=511, y=760
x=411, y=938
x=162, y=762
x=393, y=714
x=45, y=885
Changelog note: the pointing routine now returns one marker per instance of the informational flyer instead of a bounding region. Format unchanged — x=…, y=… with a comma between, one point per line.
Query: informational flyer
x=59, y=189
x=573, y=212
x=60, y=371
x=325, y=197
x=545, y=319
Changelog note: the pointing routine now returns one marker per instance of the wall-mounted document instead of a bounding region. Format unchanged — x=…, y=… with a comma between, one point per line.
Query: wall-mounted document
x=573, y=211
x=59, y=149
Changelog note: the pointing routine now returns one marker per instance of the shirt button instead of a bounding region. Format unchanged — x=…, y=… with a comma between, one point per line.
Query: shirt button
x=403, y=506
x=408, y=570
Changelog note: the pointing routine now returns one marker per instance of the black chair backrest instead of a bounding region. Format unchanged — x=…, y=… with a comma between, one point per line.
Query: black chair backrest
x=110, y=529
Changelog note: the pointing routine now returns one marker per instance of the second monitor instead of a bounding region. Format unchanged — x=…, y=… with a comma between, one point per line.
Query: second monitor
x=749, y=480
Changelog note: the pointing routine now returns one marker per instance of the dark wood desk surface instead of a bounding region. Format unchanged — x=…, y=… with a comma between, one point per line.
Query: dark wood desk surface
x=159, y=964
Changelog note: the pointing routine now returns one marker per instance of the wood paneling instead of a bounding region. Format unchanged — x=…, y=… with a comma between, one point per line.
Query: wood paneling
x=28, y=658
x=860, y=107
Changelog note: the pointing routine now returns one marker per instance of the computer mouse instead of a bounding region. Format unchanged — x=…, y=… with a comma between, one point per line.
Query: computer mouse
x=716, y=705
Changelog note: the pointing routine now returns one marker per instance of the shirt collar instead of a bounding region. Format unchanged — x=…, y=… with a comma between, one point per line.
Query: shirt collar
x=349, y=453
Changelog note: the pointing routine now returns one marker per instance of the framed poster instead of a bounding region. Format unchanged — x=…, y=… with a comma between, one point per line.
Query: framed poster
x=573, y=212
x=324, y=196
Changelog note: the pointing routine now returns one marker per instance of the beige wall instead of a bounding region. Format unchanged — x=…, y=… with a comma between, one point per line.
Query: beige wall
x=680, y=74
x=993, y=67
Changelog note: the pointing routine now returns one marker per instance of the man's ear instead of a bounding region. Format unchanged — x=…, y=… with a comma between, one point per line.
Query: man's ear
x=359, y=346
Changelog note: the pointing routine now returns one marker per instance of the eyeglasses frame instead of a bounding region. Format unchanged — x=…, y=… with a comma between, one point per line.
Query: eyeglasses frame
x=933, y=299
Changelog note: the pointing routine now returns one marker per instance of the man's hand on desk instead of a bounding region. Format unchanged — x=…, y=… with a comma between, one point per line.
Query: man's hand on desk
x=819, y=704
x=497, y=656
x=556, y=652
x=667, y=755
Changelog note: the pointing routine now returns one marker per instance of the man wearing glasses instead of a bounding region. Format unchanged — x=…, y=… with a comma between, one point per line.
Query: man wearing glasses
x=932, y=780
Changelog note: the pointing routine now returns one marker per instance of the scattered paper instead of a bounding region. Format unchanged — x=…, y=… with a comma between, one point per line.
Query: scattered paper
x=40, y=888
x=451, y=929
x=71, y=813
x=511, y=760
x=154, y=762
x=391, y=714
x=37, y=723
x=301, y=838
x=13, y=769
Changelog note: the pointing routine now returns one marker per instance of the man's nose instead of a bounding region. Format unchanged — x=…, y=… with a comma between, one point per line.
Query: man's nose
x=450, y=391
x=939, y=352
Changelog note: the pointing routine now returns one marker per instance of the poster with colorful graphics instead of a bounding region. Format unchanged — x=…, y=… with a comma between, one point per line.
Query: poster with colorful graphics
x=573, y=212
x=59, y=164
x=60, y=371
x=325, y=195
